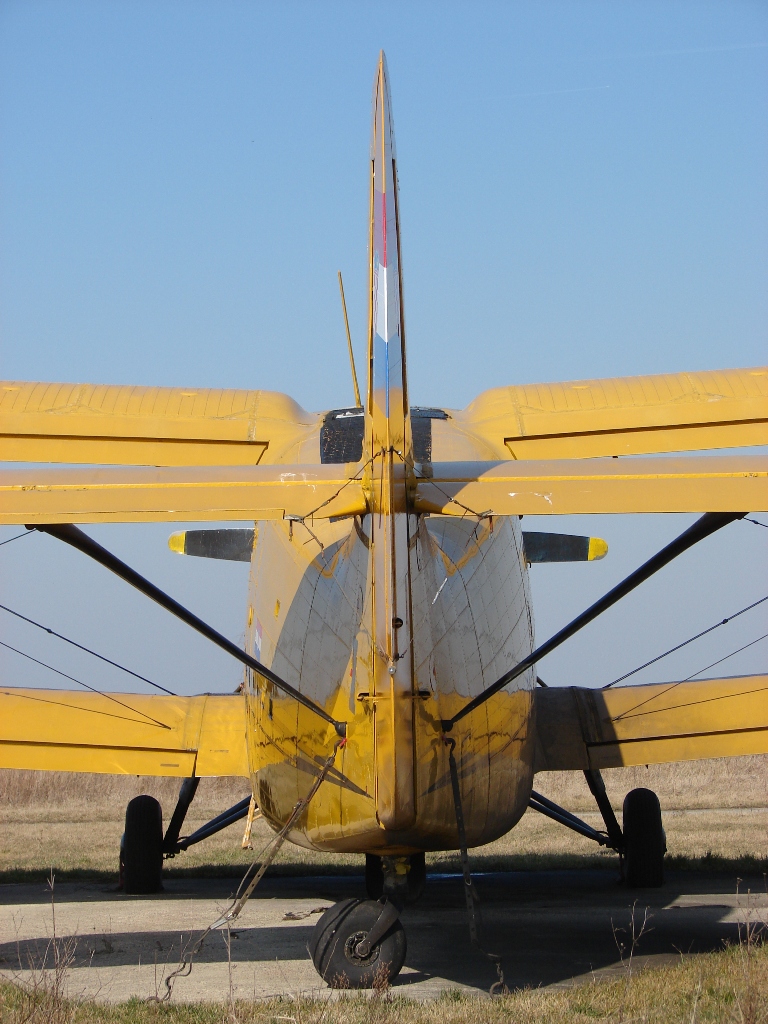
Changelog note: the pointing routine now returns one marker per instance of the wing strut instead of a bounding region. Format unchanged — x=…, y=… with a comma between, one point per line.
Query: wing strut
x=77, y=539
x=708, y=524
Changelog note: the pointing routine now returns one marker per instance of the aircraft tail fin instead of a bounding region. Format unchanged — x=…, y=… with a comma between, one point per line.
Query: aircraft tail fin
x=387, y=414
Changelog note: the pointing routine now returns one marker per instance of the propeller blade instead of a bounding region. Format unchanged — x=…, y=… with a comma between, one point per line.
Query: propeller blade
x=562, y=547
x=233, y=545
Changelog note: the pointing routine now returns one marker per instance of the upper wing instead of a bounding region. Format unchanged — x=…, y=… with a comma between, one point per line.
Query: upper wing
x=693, y=483
x=580, y=728
x=123, y=733
x=622, y=415
x=142, y=495
x=140, y=426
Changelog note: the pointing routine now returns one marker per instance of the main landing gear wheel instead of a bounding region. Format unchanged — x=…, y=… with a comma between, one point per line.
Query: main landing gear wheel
x=141, y=848
x=645, y=842
x=344, y=955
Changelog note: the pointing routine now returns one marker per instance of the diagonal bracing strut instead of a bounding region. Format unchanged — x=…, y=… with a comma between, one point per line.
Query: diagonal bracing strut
x=708, y=524
x=77, y=539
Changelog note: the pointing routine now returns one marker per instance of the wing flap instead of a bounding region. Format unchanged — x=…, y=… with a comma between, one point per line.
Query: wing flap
x=122, y=734
x=580, y=728
x=144, y=495
x=126, y=425
x=563, y=487
x=623, y=415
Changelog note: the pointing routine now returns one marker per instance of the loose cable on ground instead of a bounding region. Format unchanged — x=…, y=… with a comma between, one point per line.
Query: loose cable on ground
x=244, y=891
x=690, y=641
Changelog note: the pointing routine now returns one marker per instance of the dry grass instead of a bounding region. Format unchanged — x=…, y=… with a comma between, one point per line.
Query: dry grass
x=714, y=812
x=731, y=986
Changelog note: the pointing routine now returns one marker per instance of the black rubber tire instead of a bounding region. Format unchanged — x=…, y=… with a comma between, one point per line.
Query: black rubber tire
x=644, y=840
x=332, y=940
x=141, y=849
x=374, y=877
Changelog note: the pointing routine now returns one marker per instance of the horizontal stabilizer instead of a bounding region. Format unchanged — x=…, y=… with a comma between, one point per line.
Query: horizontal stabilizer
x=562, y=547
x=232, y=545
x=692, y=483
x=580, y=728
x=123, y=733
x=146, y=495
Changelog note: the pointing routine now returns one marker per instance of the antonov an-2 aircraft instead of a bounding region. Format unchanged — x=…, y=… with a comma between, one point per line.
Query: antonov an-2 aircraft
x=390, y=703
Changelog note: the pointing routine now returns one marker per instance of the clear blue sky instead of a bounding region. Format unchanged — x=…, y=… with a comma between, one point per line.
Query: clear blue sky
x=583, y=193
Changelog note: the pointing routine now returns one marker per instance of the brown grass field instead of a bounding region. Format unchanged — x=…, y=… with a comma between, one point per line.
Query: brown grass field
x=712, y=988
x=715, y=813
x=715, y=816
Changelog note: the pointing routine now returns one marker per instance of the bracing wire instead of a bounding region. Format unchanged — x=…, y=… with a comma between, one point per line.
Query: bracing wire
x=737, y=651
x=28, y=533
x=87, y=686
x=685, y=644
x=87, y=650
x=756, y=522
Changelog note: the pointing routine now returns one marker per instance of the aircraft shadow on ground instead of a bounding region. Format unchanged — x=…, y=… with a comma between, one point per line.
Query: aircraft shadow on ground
x=548, y=927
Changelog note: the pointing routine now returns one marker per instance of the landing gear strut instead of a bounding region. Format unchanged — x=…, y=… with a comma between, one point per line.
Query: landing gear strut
x=402, y=879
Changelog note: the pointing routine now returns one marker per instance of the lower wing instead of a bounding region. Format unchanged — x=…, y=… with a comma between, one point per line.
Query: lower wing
x=579, y=728
x=123, y=733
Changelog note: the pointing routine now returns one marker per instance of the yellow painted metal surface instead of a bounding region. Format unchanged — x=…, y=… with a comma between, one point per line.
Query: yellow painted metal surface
x=622, y=415
x=127, y=425
x=598, y=548
x=122, y=733
x=580, y=728
x=134, y=495
x=558, y=487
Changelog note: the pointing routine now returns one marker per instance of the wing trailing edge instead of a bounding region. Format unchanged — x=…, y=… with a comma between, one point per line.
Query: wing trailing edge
x=123, y=733
x=671, y=412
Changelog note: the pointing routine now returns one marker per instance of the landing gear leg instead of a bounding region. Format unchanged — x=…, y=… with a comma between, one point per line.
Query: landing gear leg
x=402, y=879
x=358, y=944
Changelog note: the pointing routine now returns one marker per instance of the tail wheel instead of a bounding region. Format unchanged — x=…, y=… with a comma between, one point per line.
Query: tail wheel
x=644, y=839
x=141, y=848
x=336, y=936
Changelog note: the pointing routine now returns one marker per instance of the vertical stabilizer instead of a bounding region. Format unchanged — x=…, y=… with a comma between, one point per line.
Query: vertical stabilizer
x=388, y=443
x=387, y=404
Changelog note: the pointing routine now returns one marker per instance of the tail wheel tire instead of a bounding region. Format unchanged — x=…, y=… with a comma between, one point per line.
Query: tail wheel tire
x=141, y=848
x=337, y=933
x=644, y=840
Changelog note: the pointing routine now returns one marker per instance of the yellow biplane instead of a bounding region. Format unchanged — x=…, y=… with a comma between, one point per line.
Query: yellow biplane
x=389, y=705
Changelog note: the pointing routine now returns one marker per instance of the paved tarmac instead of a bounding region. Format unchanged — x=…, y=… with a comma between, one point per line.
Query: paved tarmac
x=551, y=928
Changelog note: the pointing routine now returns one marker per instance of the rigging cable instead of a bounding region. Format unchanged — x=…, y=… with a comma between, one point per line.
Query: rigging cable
x=756, y=522
x=738, y=651
x=87, y=650
x=26, y=534
x=86, y=685
x=686, y=642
